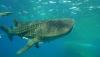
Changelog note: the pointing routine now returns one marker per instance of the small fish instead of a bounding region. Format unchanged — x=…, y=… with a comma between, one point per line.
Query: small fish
x=39, y=32
x=5, y=13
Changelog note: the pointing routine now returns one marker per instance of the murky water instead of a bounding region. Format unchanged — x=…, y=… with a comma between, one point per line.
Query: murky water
x=83, y=41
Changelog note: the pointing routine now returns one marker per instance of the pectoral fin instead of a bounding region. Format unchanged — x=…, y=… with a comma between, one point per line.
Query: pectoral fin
x=29, y=44
x=16, y=23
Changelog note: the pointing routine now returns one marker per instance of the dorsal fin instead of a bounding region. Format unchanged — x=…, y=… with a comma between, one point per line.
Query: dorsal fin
x=17, y=23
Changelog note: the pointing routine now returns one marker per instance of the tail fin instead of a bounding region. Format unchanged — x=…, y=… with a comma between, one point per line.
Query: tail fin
x=8, y=31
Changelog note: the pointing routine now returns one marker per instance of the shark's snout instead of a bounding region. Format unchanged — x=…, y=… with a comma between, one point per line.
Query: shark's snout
x=70, y=21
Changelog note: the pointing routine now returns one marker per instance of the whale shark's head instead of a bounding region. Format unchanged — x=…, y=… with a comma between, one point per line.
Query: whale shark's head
x=59, y=27
x=66, y=25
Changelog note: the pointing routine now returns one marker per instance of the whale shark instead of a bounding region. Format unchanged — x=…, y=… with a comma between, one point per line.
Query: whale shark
x=39, y=31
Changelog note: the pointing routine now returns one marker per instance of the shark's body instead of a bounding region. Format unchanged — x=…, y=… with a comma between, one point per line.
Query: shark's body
x=40, y=31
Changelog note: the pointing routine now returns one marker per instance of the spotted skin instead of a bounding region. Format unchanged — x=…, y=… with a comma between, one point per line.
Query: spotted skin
x=41, y=31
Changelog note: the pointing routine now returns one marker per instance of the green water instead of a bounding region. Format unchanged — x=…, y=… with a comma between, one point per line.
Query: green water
x=83, y=41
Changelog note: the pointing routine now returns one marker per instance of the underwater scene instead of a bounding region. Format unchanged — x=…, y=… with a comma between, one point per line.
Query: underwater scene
x=49, y=28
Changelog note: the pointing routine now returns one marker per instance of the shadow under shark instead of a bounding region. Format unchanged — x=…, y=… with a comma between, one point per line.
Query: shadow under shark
x=41, y=31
